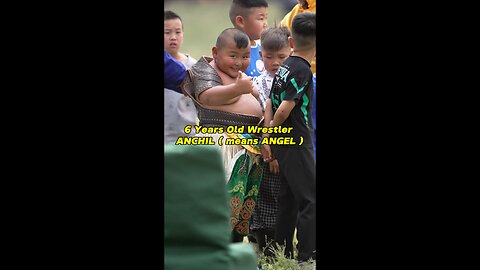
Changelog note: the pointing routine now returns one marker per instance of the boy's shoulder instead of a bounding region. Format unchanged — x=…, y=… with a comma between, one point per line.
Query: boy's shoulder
x=190, y=61
x=263, y=76
x=202, y=69
x=296, y=63
x=202, y=63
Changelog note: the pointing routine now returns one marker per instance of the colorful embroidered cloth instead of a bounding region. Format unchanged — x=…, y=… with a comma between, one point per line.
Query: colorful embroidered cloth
x=242, y=189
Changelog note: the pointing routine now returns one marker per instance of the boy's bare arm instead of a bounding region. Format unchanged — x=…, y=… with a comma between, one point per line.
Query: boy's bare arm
x=227, y=94
x=268, y=115
x=282, y=113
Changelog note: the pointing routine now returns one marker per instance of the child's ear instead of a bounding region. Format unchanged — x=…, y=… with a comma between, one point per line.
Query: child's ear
x=290, y=42
x=214, y=52
x=240, y=22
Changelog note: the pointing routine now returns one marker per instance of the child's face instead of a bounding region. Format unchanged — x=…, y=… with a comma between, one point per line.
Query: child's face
x=256, y=22
x=231, y=59
x=273, y=59
x=172, y=35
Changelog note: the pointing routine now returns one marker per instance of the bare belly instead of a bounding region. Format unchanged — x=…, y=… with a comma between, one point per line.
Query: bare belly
x=247, y=104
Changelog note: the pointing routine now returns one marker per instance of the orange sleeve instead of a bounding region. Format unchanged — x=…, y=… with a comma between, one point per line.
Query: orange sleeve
x=287, y=22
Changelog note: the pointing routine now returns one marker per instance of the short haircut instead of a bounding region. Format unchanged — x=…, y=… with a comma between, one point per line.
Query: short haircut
x=304, y=30
x=170, y=15
x=240, y=38
x=275, y=38
x=241, y=8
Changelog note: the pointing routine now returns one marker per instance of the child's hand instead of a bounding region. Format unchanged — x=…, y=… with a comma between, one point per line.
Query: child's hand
x=244, y=83
x=266, y=153
x=274, y=167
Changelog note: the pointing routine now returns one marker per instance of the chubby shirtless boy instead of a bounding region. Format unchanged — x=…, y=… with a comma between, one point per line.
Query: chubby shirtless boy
x=225, y=97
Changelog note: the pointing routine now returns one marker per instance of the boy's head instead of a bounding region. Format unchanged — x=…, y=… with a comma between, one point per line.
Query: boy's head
x=275, y=48
x=250, y=16
x=232, y=52
x=172, y=32
x=304, y=31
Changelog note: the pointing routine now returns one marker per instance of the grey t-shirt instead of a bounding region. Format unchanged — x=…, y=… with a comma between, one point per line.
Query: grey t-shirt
x=179, y=111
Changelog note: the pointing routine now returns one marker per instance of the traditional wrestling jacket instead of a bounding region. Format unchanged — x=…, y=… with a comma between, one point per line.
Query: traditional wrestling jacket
x=201, y=77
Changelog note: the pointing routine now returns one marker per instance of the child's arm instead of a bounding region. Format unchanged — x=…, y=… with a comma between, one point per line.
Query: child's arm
x=282, y=113
x=268, y=116
x=227, y=94
x=174, y=72
x=266, y=151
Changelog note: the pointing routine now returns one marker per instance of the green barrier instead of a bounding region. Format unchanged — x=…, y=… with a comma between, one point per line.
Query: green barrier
x=197, y=230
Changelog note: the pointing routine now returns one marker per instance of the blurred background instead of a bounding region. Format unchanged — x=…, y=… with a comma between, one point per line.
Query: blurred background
x=204, y=20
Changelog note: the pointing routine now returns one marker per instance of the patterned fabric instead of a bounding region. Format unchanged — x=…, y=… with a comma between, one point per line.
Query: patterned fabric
x=267, y=203
x=264, y=85
x=243, y=175
x=204, y=76
x=242, y=190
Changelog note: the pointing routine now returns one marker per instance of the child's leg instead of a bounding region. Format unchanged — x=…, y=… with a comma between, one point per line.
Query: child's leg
x=266, y=208
x=287, y=214
x=303, y=184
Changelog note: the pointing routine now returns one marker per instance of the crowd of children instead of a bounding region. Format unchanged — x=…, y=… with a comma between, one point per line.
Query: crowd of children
x=256, y=75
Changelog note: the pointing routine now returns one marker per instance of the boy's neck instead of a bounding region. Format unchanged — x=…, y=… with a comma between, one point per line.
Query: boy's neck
x=177, y=55
x=252, y=42
x=305, y=54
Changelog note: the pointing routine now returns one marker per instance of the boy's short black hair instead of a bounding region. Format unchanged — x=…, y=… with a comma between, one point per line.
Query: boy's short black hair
x=170, y=15
x=241, y=39
x=275, y=38
x=304, y=30
x=241, y=7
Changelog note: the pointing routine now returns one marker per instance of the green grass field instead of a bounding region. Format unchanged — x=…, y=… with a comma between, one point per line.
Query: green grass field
x=204, y=20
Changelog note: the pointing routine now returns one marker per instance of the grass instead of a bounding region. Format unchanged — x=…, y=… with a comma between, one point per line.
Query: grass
x=204, y=20
x=280, y=262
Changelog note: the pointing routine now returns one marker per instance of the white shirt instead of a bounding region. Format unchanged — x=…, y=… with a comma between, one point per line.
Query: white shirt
x=263, y=82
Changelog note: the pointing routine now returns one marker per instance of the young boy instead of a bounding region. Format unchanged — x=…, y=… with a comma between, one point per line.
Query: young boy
x=250, y=16
x=173, y=38
x=290, y=104
x=224, y=96
x=179, y=109
x=275, y=49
